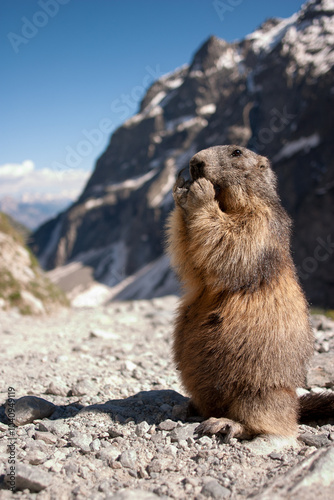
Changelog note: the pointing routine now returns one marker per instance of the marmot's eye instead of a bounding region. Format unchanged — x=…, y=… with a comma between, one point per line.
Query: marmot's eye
x=236, y=152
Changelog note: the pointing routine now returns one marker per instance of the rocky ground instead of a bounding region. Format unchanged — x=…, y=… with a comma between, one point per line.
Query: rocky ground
x=109, y=422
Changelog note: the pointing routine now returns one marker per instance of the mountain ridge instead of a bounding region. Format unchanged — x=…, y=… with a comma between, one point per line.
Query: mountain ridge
x=270, y=92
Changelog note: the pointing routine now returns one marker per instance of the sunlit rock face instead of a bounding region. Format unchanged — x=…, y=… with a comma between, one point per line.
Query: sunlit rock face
x=272, y=92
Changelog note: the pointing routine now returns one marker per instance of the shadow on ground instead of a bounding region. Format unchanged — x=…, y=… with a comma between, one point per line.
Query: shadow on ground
x=149, y=406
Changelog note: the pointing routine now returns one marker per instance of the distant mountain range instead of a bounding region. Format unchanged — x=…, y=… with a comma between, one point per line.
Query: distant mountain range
x=272, y=92
x=34, y=213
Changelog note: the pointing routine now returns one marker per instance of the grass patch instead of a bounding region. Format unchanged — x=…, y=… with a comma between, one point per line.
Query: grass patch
x=329, y=313
x=7, y=228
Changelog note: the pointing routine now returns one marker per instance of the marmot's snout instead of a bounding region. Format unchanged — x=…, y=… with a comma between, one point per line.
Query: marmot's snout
x=196, y=167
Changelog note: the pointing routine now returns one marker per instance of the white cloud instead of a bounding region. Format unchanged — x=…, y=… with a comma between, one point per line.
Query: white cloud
x=24, y=182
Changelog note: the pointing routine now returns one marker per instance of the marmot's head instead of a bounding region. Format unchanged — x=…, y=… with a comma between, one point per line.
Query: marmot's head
x=237, y=174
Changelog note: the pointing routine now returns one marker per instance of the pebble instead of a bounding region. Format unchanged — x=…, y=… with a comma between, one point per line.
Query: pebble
x=57, y=388
x=142, y=428
x=82, y=441
x=31, y=478
x=134, y=495
x=58, y=427
x=47, y=437
x=36, y=457
x=184, y=432
x=316, y=440
x=83, y=387
x=205, y=441
x=103, y=334
x=213, y=489
x=128, y=459
x=167, y=425
x=109, y=454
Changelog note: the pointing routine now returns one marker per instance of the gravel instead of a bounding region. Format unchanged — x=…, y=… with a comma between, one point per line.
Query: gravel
x=100, y=415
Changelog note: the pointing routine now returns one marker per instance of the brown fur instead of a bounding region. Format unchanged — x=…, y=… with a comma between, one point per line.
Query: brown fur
x=242, y=336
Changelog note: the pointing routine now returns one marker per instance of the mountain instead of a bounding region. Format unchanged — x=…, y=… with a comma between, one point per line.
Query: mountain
x=32, y=213
x=272, y=92
x=23, y=285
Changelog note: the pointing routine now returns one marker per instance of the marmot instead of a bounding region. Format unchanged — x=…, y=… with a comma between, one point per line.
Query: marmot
x=242, y=337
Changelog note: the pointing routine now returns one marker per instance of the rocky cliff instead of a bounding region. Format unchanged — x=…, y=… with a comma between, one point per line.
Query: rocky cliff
x=272, y=92
x=22, y=283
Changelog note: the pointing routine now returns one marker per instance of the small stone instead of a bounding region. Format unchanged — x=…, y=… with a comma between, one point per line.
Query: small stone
x=31, y=478
x=109, y=453
x=95, y=445
x=36, y=457
x=142, y=429
x=83, y=387
x=215, y=490
x=316, y=440
x=128, y=459
x=81, y=441
x=128, y=366
x=47, y=437
x=167, y=425
x=57, y=388
x=58, y=427
x=27, y=409
x=276, y=456
x=205, y=441
x=103, y=334
x=155, y=465
x=134, y=495
x=264, y=445
x=183, y=433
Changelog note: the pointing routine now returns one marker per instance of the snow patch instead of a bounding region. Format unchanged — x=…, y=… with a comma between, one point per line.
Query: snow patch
x=174, y=84
x=134, y=183
x=267, y=41
x=229, y=60
x=166, y=188
x=151, y=110
x=185, y=122
x=95, y=296
x=311, y=46
x=154, y=280
x=208, y=109
x=302, y=144
x=93, y=203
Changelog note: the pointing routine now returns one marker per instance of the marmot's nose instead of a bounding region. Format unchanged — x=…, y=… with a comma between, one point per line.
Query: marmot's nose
x=196, y=167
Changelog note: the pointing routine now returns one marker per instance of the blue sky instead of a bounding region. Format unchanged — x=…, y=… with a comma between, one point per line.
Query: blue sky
x=70, y=66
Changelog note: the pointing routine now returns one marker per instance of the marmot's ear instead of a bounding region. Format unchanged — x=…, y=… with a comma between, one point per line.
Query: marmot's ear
x=263, y=163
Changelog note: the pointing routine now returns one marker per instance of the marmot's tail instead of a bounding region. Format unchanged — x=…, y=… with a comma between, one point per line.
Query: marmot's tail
x=316, y=406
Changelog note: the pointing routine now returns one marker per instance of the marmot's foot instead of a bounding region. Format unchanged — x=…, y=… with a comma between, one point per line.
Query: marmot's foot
x=223, y=426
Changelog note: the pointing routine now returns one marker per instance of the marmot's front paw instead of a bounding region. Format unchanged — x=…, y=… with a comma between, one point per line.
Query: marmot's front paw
x=180, y=191
x=200, y=192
